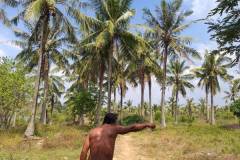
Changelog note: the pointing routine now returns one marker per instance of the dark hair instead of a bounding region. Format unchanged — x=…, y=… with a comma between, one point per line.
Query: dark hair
x=110, y=118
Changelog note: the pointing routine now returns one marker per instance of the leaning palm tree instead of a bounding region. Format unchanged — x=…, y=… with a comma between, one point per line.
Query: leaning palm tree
x=179, y=80
x=109, y=28
x=213, y=68
x=41, y=13
x=165, y=29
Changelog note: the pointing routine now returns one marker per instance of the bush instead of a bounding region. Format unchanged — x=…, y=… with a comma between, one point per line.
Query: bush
x=224, y=114
x=186, y=119
x=235, y=108
x=157, y=116
x=132, y=119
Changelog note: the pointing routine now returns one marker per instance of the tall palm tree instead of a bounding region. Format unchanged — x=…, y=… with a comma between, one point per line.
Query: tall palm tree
x=204, y=82
x=179, y=80
x=42, y=12
x=140, y=70
x=166, y=28
x=110, y=27
x=213, y=68
x=30, y=56
x=121, y=80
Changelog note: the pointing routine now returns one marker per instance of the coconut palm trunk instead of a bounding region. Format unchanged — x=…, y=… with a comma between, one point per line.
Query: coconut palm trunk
x=52, y=105
x=176, y=108
x=114, y=98
x=150, y=97
x=212, y=108
x=110, y=55
x=14, y=119
x=31, y=124
x=101, y=74
x=207, y=108
x=43, y=118
x=142, y=91
x=121, y=100
x=163, y=121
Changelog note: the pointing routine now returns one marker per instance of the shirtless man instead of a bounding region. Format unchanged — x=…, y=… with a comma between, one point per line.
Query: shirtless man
x=101, y=140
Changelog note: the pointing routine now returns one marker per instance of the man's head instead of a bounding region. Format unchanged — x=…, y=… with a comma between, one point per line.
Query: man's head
x=110, y=118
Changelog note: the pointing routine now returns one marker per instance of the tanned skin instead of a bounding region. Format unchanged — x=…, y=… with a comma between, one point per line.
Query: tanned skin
x=101, y=141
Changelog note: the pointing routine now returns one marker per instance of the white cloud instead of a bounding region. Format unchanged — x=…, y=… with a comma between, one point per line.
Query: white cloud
x=202, y=47
x=2, y=53
x=9, y=44
x=201, y=8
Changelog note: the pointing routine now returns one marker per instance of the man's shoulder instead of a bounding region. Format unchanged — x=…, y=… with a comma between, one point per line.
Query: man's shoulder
x=104, y=127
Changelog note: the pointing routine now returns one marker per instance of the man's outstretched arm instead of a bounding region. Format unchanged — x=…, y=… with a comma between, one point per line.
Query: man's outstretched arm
x=133, y=128
x=85, y=149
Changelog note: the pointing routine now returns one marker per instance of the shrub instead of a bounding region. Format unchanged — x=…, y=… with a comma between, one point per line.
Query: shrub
x=235, y=108
x=186, y=119
x=157, y=116
x=132, y=119
x=224, y=114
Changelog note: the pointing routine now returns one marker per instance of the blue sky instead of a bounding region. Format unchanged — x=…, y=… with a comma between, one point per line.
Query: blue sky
x=198, y=31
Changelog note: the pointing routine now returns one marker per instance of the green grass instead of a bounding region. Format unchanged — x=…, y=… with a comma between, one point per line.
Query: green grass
x=57, y=142
x=197, y=141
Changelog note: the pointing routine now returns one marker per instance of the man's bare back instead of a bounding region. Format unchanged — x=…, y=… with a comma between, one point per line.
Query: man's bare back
x=101, y=140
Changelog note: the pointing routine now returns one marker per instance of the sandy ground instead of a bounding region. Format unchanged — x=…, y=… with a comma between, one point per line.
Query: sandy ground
x=135, y=147
x=126, y=149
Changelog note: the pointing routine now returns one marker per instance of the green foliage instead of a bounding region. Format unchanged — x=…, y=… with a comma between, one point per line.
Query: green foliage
x=132, y=119
x=226, y=28
x=235, y=108
x=157, y=116
x=186, y=119
x=178, y=78
x=224, y=115
x=14, y=90
x=82, y=102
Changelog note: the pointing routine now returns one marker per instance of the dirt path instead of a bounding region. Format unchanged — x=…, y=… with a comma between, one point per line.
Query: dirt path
x=126, y=149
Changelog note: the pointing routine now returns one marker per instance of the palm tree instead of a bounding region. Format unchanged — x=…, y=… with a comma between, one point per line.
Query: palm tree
x=190, y=108
x=179, y=80
x=172, y=104
x=40, y=12
x=204, y=82
x=165, y=29
x=232, y=94
x=109, y=28
x=213, y=68
x=89, y=66
x=149, y=79
x=202, y=106
x=3, y=14
x=129, y=105
x=121, y=77
x=30, y=55
x=138, y=70
x=56, y=88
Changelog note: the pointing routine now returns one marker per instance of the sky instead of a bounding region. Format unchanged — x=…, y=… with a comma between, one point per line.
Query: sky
x=198, y=31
